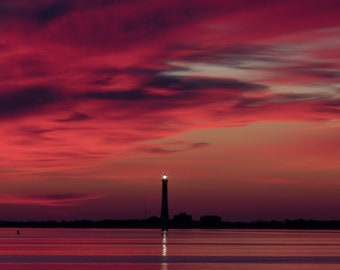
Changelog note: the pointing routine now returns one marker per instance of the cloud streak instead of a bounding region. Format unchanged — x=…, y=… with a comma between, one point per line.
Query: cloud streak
x=55, y=200
x=84, y=84
x=27, y=100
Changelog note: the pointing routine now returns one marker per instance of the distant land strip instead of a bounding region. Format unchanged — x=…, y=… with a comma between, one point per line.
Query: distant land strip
x=209, y=222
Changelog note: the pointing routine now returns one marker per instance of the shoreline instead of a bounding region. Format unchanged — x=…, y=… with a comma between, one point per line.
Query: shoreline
x=299, y=224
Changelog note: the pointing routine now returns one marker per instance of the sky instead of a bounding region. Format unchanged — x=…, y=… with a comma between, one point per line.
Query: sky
x=237, y=101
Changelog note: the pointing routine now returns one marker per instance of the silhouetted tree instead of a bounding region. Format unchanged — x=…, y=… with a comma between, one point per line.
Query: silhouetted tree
x=210, y=221
x=182, y=220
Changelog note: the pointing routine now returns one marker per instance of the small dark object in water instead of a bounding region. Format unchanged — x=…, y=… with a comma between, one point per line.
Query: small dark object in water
x=18, y=232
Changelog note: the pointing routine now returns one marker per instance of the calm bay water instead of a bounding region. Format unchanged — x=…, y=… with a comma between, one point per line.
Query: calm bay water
x=147, y=249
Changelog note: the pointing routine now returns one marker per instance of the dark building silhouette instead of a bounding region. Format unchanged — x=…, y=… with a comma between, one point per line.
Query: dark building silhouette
x=182, y=220
x=182, y=217
x=210, y=220
x=164, y=209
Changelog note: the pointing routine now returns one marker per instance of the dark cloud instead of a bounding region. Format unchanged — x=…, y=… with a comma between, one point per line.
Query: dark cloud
x=166, y=17
x=32, y=65
x=36, y=131
x=161, y=93
x=329, y=74
x=199, y=145
x=104, y=76
x=321, y=72
x=103, y=81
x=99, y=25
x=40, y=12
x=169, y=148
x=112, y=71
x=246, y=102
x=55, y=157
x=27, y=100
x=120, y=26
x=235, y=55
x=157, y=150
x=136, y=94
x=330, y=106
x=8, y=8
x=242, y=102
x=49, y=11
x=30, y=130
x=75, y=117
x=189, y=84
x=55, y=199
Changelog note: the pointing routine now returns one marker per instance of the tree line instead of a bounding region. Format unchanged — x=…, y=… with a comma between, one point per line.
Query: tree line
x=181, y=220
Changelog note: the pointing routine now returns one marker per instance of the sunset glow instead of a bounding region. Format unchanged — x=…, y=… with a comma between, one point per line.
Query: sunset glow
x=238, y=100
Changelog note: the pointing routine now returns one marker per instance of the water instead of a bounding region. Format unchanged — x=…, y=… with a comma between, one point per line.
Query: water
x=147, y=249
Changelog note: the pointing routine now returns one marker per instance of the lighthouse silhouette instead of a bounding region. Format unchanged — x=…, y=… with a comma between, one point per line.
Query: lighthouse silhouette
x=164, y=209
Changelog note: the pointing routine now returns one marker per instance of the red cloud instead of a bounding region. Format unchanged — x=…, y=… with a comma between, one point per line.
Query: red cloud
x=84, y=83
x=48, y=200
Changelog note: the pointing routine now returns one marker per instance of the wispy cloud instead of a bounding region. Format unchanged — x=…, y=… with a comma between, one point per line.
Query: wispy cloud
x=49, y=199
x=90, y=83
x=171, y=147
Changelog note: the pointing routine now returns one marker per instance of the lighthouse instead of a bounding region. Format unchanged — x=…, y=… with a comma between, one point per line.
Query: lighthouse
x=164, y=209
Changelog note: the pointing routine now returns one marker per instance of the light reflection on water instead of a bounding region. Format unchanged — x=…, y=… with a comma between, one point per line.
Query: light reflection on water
x=164, y=250
x=89, y=249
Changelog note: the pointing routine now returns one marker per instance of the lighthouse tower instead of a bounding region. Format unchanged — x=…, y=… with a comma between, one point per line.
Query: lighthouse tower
x=164, y=209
